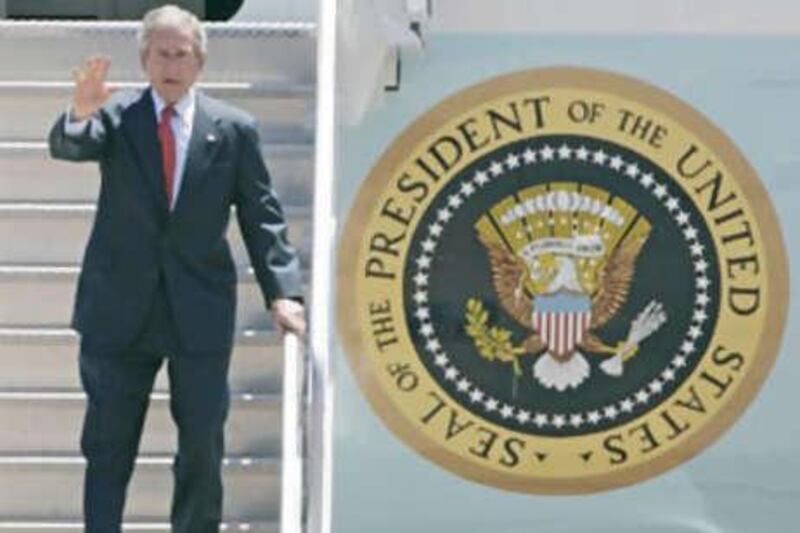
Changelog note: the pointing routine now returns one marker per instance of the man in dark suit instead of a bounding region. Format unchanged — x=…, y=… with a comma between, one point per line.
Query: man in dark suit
x=158, y=281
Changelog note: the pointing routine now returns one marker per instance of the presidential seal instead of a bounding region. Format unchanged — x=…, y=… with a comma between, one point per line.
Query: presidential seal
x=560, y=281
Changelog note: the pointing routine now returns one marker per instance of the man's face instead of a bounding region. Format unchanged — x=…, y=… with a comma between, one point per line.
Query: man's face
x=171, y=64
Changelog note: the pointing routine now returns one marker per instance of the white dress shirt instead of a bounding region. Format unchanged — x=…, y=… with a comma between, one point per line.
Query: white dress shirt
x=182, y=123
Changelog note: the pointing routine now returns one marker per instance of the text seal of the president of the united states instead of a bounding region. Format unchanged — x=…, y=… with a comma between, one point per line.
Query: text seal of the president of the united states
x=561, y=280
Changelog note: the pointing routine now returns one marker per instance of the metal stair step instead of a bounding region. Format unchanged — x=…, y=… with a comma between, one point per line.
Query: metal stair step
x=29, y=108
x=35, y=294
x=65, y=227
x=29, y=525
x=46, y=358
x=49, y=422
x=252, y=52
x=28, y=173
x=252, y=487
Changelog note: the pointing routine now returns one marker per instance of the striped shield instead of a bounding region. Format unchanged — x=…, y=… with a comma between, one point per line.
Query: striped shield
x=562, y=319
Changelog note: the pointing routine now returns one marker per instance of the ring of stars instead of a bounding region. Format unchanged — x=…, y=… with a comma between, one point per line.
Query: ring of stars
x=496, y=170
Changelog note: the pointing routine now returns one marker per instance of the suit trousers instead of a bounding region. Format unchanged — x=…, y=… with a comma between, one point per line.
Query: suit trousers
x=118, y=384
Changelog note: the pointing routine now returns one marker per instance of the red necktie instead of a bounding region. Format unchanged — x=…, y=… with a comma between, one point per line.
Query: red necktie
x=167, y=139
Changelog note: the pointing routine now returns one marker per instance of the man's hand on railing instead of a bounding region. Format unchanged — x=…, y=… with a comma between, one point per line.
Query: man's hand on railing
x=289, y=316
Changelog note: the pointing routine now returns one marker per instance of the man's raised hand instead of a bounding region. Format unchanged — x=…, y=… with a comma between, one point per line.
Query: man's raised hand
x=91, y=89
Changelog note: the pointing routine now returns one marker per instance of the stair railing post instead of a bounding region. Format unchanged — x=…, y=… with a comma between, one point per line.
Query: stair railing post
x=292, y=486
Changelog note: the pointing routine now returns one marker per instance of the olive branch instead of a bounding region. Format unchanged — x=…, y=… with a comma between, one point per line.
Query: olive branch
x=493, y=342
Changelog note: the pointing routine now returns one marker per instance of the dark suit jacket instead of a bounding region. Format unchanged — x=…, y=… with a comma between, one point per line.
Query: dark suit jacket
x=135, y=239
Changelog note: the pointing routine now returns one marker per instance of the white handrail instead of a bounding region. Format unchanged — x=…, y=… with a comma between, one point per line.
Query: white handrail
x=320, y=412
x=292, y=446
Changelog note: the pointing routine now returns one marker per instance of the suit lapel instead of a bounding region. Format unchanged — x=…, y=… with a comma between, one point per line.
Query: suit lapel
x=204, y=143
x=143, y=136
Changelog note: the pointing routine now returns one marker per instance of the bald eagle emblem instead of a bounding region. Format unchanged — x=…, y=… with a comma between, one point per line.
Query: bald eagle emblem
x=562, y=260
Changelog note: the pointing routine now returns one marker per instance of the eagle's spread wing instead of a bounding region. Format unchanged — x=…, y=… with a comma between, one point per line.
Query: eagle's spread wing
x=508, y=277
x=615, y=281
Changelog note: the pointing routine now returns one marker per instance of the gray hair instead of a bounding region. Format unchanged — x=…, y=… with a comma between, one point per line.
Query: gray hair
x=173, y=17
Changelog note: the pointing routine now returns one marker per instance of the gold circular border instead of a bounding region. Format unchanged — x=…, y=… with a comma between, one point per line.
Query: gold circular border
x=540, y=79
